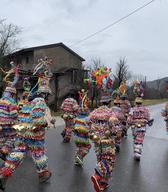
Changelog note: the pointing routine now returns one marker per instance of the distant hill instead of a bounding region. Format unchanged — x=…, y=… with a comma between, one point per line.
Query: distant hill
x=157, y=88
x=163, y=82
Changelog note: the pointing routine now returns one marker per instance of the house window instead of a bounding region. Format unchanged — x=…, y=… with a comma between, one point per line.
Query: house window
x=74, y=76
x=27, y=60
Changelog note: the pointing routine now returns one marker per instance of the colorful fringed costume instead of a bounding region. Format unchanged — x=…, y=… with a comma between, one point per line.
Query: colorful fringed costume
x=8, y=113
x=120, y=126
x=70, y=110
x=164, y=113
x=8, y=117
x=30, y=139
x=104, y=141
x=81, y=138
x=81, y=129
x=125, y=108
x=138, y=120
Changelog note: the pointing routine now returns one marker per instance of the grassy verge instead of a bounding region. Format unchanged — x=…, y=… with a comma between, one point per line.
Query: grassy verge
x=57, y=113
x=154, y=101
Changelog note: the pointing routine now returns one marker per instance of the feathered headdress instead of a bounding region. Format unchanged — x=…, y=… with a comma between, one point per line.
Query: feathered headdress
x=138, y=88
x=83, y=100
x=11, y=82
x=43, y=71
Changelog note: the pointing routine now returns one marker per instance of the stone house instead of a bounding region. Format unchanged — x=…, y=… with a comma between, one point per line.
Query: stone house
x=67, y=69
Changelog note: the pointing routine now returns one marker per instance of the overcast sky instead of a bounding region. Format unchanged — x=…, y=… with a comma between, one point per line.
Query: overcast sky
x=142, y=38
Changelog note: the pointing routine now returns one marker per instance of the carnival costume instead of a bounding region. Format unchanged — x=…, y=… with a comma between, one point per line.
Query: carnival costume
x=30, y=139
x=164, y=113
x=125, y=108
x=70, y=110
x=99, y=85
x=138, y=119
x=81, y=130
x=104, y=142
x=81, y=138
x=124, y=104
x=120, y=123
x=8, y=114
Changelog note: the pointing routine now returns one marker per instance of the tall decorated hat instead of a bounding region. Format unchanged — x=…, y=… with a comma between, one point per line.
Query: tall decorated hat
x=122, y=90
x=103, y=80
x=138, y=90
x=26, y=88
x=83, y=101
x=43, y=71
x=11, y=78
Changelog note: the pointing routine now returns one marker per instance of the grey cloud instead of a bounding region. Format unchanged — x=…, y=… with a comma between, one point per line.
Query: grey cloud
x=142, y=38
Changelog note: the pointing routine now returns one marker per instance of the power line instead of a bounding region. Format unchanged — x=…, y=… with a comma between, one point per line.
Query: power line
x=114, y=23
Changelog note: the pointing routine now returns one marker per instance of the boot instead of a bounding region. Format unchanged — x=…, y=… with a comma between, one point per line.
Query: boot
x=96, y=182
x=117, y=148
x=104, y=186
x=44, y=176
x=78, y=161
x=3, y=181
x=66, y=140
x=137, y=157
x=2, y=156
x=63, y=133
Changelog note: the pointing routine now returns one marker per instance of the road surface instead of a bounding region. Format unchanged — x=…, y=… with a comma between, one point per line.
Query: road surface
x=150, y=175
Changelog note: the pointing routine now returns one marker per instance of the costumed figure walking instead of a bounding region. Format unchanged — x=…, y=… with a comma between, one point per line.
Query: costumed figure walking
x=31, y=131
x=125, y=106
x=138, y=119
x=8, y=113
x=81, y=130
x=70, y=109
x=101, y=131
x=103, y=136
x=164, y=113
x=120, y=122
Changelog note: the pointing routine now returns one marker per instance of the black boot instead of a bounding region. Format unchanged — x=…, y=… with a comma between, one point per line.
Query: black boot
x=3, y=183
x=63, y=133
x=2, y=156
x=45, y=177
x=117, y=149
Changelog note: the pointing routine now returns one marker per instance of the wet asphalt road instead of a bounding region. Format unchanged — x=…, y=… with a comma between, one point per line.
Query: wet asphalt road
x=150, y=175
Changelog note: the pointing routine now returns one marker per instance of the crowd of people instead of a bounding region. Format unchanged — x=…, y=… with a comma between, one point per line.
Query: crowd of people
x=105, y=127
x=23, y=125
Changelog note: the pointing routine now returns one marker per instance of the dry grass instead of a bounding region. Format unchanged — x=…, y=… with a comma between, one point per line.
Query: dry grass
x=57, y=113
x=154, y=101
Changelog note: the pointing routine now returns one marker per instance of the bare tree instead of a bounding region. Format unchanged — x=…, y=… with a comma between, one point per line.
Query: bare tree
x=8, y=38
x=122, y=72
x=95, y=63
x=138, y=77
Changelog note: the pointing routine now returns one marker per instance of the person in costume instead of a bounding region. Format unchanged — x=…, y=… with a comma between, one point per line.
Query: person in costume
x=8, y=114
x=120, y=122
x=124, y=104
x=103, y=135
x=125, y=108
x=138, y=119
x=30, y=137
x=81, y=130
x=164, y=114
x=70, y=109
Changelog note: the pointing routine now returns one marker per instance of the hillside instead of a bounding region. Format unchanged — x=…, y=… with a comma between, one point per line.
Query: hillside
x=157, y=88
x=163, y=82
